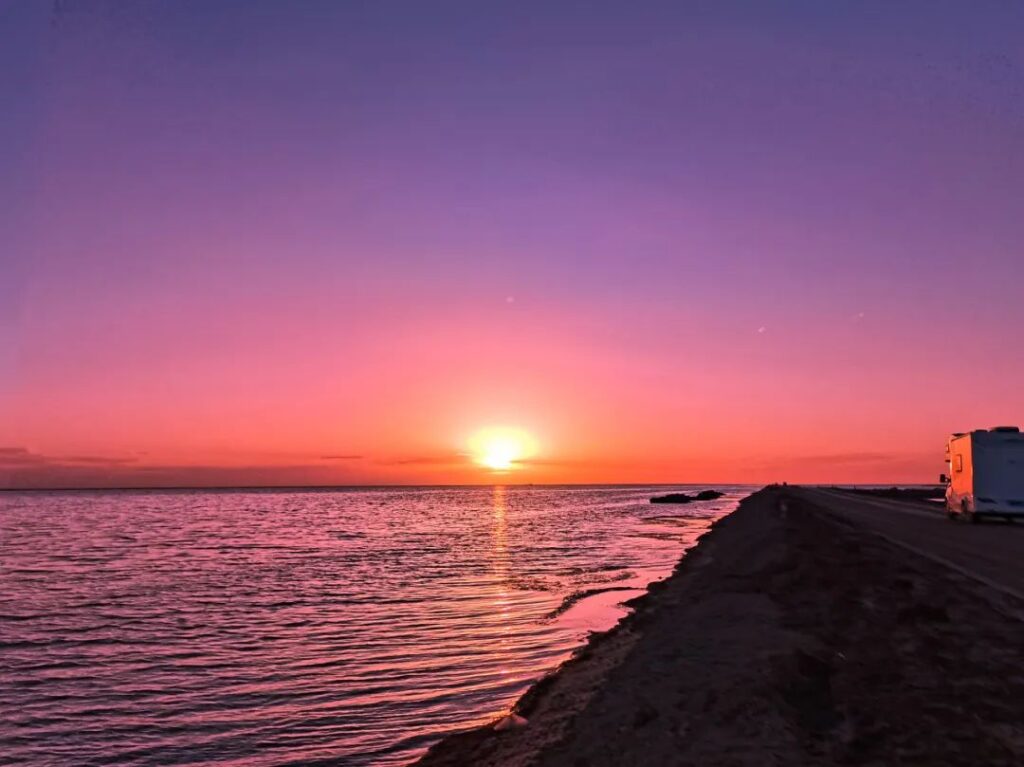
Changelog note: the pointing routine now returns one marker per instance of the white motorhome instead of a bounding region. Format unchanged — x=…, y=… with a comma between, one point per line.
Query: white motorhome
x=986, y=474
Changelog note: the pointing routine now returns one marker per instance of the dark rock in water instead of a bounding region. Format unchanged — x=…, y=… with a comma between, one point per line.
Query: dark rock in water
x=703, y=495
x=672, y=498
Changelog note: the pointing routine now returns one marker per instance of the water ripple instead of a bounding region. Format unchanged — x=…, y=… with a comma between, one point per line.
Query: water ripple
x=272, y=628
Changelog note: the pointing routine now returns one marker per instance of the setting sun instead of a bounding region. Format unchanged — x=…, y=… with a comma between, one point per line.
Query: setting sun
x=501, y=448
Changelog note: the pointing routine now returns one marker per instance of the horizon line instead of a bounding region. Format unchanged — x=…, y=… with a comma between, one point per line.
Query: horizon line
x=178, y=488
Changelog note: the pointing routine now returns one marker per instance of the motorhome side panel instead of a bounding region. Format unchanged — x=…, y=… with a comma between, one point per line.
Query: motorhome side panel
x=998, y=467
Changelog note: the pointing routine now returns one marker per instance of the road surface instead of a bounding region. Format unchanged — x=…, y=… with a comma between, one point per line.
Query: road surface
x=991, y=552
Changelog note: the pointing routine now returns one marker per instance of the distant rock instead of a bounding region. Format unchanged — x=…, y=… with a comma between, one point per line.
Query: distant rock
x=703, y=495
x=674, y=498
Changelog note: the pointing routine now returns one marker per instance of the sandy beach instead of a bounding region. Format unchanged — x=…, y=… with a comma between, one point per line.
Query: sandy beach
x=795, y=633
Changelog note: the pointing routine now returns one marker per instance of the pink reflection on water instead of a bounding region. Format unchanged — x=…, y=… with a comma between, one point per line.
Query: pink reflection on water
x=271, y=627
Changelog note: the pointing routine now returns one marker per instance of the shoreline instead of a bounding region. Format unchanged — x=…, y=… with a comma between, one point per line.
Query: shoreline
x=786, y=636
x=578, y=677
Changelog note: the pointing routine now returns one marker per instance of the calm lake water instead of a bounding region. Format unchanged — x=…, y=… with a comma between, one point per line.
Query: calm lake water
x=262, y=628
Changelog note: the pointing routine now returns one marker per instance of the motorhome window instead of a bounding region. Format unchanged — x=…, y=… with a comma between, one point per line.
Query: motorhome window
x=959, y=462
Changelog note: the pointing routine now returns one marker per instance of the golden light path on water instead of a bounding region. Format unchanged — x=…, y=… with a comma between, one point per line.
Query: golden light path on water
x=273, y=628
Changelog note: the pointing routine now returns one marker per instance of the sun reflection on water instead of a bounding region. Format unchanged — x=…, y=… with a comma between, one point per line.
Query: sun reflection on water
x=500, y=566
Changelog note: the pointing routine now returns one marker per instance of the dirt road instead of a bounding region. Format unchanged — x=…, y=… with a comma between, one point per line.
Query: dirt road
x=992, y=552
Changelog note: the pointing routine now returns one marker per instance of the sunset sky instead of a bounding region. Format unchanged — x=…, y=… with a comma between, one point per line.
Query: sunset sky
x=325, y=242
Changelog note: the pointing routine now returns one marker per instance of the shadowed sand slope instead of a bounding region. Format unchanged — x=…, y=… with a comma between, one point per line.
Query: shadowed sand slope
x=784, y=638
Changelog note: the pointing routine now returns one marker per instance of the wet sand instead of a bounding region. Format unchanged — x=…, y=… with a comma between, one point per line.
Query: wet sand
x=786, y=637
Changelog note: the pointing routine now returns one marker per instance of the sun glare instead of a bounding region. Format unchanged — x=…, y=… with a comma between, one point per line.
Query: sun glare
x=501, y=449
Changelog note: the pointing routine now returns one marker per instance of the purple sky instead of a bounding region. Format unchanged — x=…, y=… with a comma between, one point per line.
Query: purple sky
x=247, y=234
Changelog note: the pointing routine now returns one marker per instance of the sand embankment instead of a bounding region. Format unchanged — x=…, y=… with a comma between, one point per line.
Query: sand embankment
x=785, y=638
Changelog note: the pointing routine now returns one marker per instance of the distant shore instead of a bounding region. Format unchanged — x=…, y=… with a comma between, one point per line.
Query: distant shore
x=785, y=637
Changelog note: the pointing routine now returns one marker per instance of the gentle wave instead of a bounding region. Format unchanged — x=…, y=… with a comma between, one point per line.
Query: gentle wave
x=274, y=628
